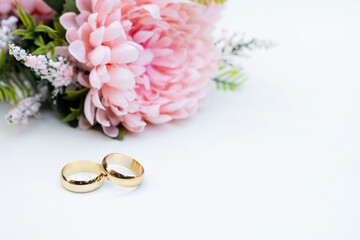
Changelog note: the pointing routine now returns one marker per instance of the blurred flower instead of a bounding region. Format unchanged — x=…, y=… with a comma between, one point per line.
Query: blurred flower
x=28, y=107
x=36, y=8
x=6, y=28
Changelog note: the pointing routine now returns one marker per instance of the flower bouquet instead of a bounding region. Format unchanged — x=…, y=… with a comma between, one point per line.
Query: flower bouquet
x=114, y=65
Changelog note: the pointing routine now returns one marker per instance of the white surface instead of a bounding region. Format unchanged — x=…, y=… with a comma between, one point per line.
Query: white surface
x=278, y=159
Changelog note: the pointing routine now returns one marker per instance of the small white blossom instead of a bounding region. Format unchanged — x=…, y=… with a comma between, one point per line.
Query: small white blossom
x=7, y=26
x=19, y=53
x=234, y=47
x=28, y=107
x=59, y=73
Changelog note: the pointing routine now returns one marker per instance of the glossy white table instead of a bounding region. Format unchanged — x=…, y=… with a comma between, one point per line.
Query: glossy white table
x=278, y=159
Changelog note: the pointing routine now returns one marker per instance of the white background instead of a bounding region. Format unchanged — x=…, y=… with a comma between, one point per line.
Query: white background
x=278, y=159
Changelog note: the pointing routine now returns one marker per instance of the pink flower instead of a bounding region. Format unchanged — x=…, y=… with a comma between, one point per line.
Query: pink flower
x=5, y=8
x=31, y=61
x=149, y=60
x=68, y=73
x=36, y=8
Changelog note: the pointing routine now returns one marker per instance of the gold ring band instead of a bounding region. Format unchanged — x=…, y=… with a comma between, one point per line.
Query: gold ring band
x=124, y=161
x=82, y=186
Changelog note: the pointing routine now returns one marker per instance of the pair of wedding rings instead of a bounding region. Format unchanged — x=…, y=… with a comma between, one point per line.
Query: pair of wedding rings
x=102, y=171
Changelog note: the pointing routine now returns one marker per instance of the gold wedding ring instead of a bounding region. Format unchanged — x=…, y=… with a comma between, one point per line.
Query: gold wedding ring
x=82, y=186
x=124, y=161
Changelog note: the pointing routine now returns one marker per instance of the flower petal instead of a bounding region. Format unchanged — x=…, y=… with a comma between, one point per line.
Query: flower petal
x=68, y=21
x=100, y=55
x=103, y=73
x=89, y=109
x=159, y=119
x=77, y=50
x=83, y=123
x=96, y=100
x=125, y=53
x=95, y=81
x=83, y=80
x=114, y=31
x=96, y=37
x=143, y=36
x=134, y=123
x=84, y=5
x=153, y=9
x=101, y=117
x=121, y=78
x=92, y=20
x=111, y=131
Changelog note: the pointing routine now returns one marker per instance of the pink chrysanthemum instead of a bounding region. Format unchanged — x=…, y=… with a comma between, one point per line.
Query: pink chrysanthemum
x=36, y=8
x=149, y=60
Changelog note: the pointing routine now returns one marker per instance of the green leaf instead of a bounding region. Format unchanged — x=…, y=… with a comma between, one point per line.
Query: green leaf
x=40, y=50
x=75, y=113
x=20, y=32
x=29, y=76
x=7, y=94
x=24, y=18
x=208, y=2
x=59, y=28
x=39, y=41
x=121, y=134
x=31, y=20
x=57, y=5
x=15, y=75
x=222, y=67
x=2, y=95
x=2, y=58
x=19, y=84
x=74, y=95
x=229, y=79
x=14, y=86
x=53, y=53
x=52, y=35
x=29, y=35
x=74, y=102
x=60, y=106
x=44, y=28
x=43, y=38
x=70, y=6
x=71, y=117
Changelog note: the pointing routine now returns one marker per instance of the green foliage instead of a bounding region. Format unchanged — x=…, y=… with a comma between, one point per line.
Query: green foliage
x=240, y=47
x=2, y=58
x=75, y=101
x=7, y=90
x=121, y=135
x=61, y=107
x=208, y=2
x=63, y=6
x=74, y=95
x=72, y=105
x=71, y=108
x=70, y=6
x=229, y=79
x=27, y=20
x=16, y=81
x=42, y=38
x=57, y=5
x=74, y=114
